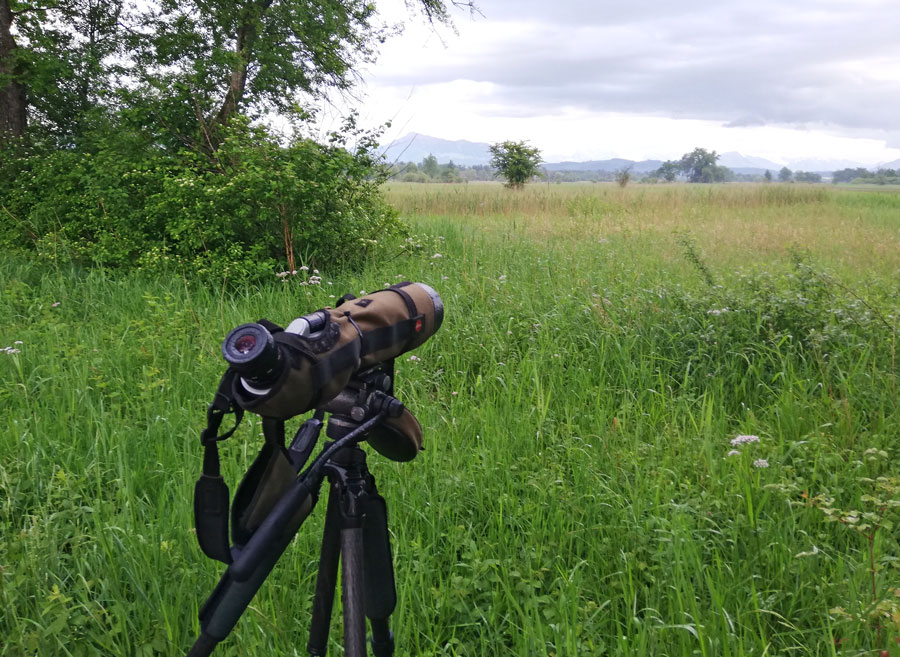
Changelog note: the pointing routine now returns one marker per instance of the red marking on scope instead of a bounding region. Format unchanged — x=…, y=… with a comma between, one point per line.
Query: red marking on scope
x=418, y=325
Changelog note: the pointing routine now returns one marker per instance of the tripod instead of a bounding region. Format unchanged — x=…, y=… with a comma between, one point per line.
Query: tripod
x=355, y=533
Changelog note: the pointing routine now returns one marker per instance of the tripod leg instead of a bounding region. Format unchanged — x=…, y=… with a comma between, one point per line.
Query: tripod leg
x=381, y=593
x=352, y=579
x=326, y=580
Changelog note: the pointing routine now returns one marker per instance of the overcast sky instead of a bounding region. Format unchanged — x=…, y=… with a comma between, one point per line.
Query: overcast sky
x=589, y=79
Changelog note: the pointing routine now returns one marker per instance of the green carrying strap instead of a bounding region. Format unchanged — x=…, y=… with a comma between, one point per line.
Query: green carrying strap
x=265, y=482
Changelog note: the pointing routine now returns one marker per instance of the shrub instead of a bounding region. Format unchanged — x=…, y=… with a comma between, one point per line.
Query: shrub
x=252, y=207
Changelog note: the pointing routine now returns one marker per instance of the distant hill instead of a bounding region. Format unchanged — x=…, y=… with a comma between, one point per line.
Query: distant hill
x=615, y=164
x=889, y=165
x=415, y=148
x=823, y=166
x=736, y=162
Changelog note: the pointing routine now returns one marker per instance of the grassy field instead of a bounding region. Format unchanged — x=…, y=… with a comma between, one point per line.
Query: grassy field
x=583, y=489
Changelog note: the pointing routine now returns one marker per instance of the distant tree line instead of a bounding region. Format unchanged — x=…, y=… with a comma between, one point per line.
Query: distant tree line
x=430, y=170
x=698, y=166
x=861, y=175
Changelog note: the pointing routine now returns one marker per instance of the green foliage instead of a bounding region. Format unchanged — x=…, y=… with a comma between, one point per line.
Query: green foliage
x=699, y=166
x=669, y=170
x=623, y=176
x=255, y=207
x=785, y=175
x=850, y=174
x=767, y=176
x=430, y=166
x=866, y=177
x=808, y=177
x=516, y=161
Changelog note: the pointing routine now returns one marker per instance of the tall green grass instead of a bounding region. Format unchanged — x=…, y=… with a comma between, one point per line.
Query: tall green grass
x=576, y=495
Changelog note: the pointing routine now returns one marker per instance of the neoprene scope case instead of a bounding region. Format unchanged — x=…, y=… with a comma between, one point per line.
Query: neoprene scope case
x=358, y=334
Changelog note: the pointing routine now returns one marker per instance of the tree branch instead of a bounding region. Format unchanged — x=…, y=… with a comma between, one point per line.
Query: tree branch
x=28, y=10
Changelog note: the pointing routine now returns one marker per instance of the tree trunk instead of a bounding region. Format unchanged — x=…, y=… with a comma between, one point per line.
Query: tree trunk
x=245, y=44
x=13, y=101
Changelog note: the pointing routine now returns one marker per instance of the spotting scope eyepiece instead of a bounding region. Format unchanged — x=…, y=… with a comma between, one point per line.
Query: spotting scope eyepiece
x=286, y=372
x=251, y=351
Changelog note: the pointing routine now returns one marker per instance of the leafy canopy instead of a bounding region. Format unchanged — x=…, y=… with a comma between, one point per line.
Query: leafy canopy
x=516, y=161
x=130, y=133
x=698, y=166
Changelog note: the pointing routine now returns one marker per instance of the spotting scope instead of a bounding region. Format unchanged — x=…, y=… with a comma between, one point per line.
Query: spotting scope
x=287, y=372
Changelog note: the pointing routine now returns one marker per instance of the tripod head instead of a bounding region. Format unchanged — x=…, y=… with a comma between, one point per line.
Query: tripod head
x=399, y=437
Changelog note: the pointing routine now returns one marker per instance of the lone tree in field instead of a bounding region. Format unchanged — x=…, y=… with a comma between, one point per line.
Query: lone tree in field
x=785, y=175
x=516, y=161
x=700, y=166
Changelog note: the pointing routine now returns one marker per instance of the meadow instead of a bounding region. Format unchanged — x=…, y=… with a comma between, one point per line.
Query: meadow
x=659, y=420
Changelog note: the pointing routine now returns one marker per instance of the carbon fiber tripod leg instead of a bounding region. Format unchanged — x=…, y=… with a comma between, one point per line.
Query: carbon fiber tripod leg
x=326, y=580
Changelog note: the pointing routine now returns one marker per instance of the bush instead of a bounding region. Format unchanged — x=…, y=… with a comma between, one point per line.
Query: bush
x=251, y=208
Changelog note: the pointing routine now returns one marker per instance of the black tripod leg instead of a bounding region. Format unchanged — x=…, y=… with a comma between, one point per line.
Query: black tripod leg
x=381, y=593
x=326, y=580
x=352, y=580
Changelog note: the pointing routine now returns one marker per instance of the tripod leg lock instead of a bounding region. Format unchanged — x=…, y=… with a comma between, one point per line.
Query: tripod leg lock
x=384, y=647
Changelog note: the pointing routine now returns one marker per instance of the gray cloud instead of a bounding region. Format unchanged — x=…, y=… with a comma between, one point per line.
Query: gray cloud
x=742, y=63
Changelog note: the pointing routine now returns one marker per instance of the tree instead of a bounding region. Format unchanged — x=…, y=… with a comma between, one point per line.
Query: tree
x=767, y=176
x=182, y=68
x=516, y=161
x=700, y=166
x=669, y=170
x=430, y=166
x=13, y=100
x=56, y=63
x=154, y=154
x=785, y=174
x=623, y=176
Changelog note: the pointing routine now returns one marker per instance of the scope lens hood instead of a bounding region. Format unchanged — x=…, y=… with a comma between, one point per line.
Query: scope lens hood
x=250, y=349
x=438, y=305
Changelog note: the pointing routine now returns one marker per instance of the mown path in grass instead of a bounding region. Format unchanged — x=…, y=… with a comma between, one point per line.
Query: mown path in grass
x=601, y=350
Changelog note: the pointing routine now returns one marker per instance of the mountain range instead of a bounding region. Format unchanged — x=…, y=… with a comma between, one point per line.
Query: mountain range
x=415, y=147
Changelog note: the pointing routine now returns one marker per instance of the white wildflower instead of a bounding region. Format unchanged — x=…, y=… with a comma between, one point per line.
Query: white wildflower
x=734, y=452
x=743, y=440
x=414, y=358
x=760, y=463
x=436, y=256
x=303, y=268
x=54, y=304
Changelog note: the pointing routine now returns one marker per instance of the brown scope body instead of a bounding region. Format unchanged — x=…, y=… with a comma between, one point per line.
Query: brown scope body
x=284, y=374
